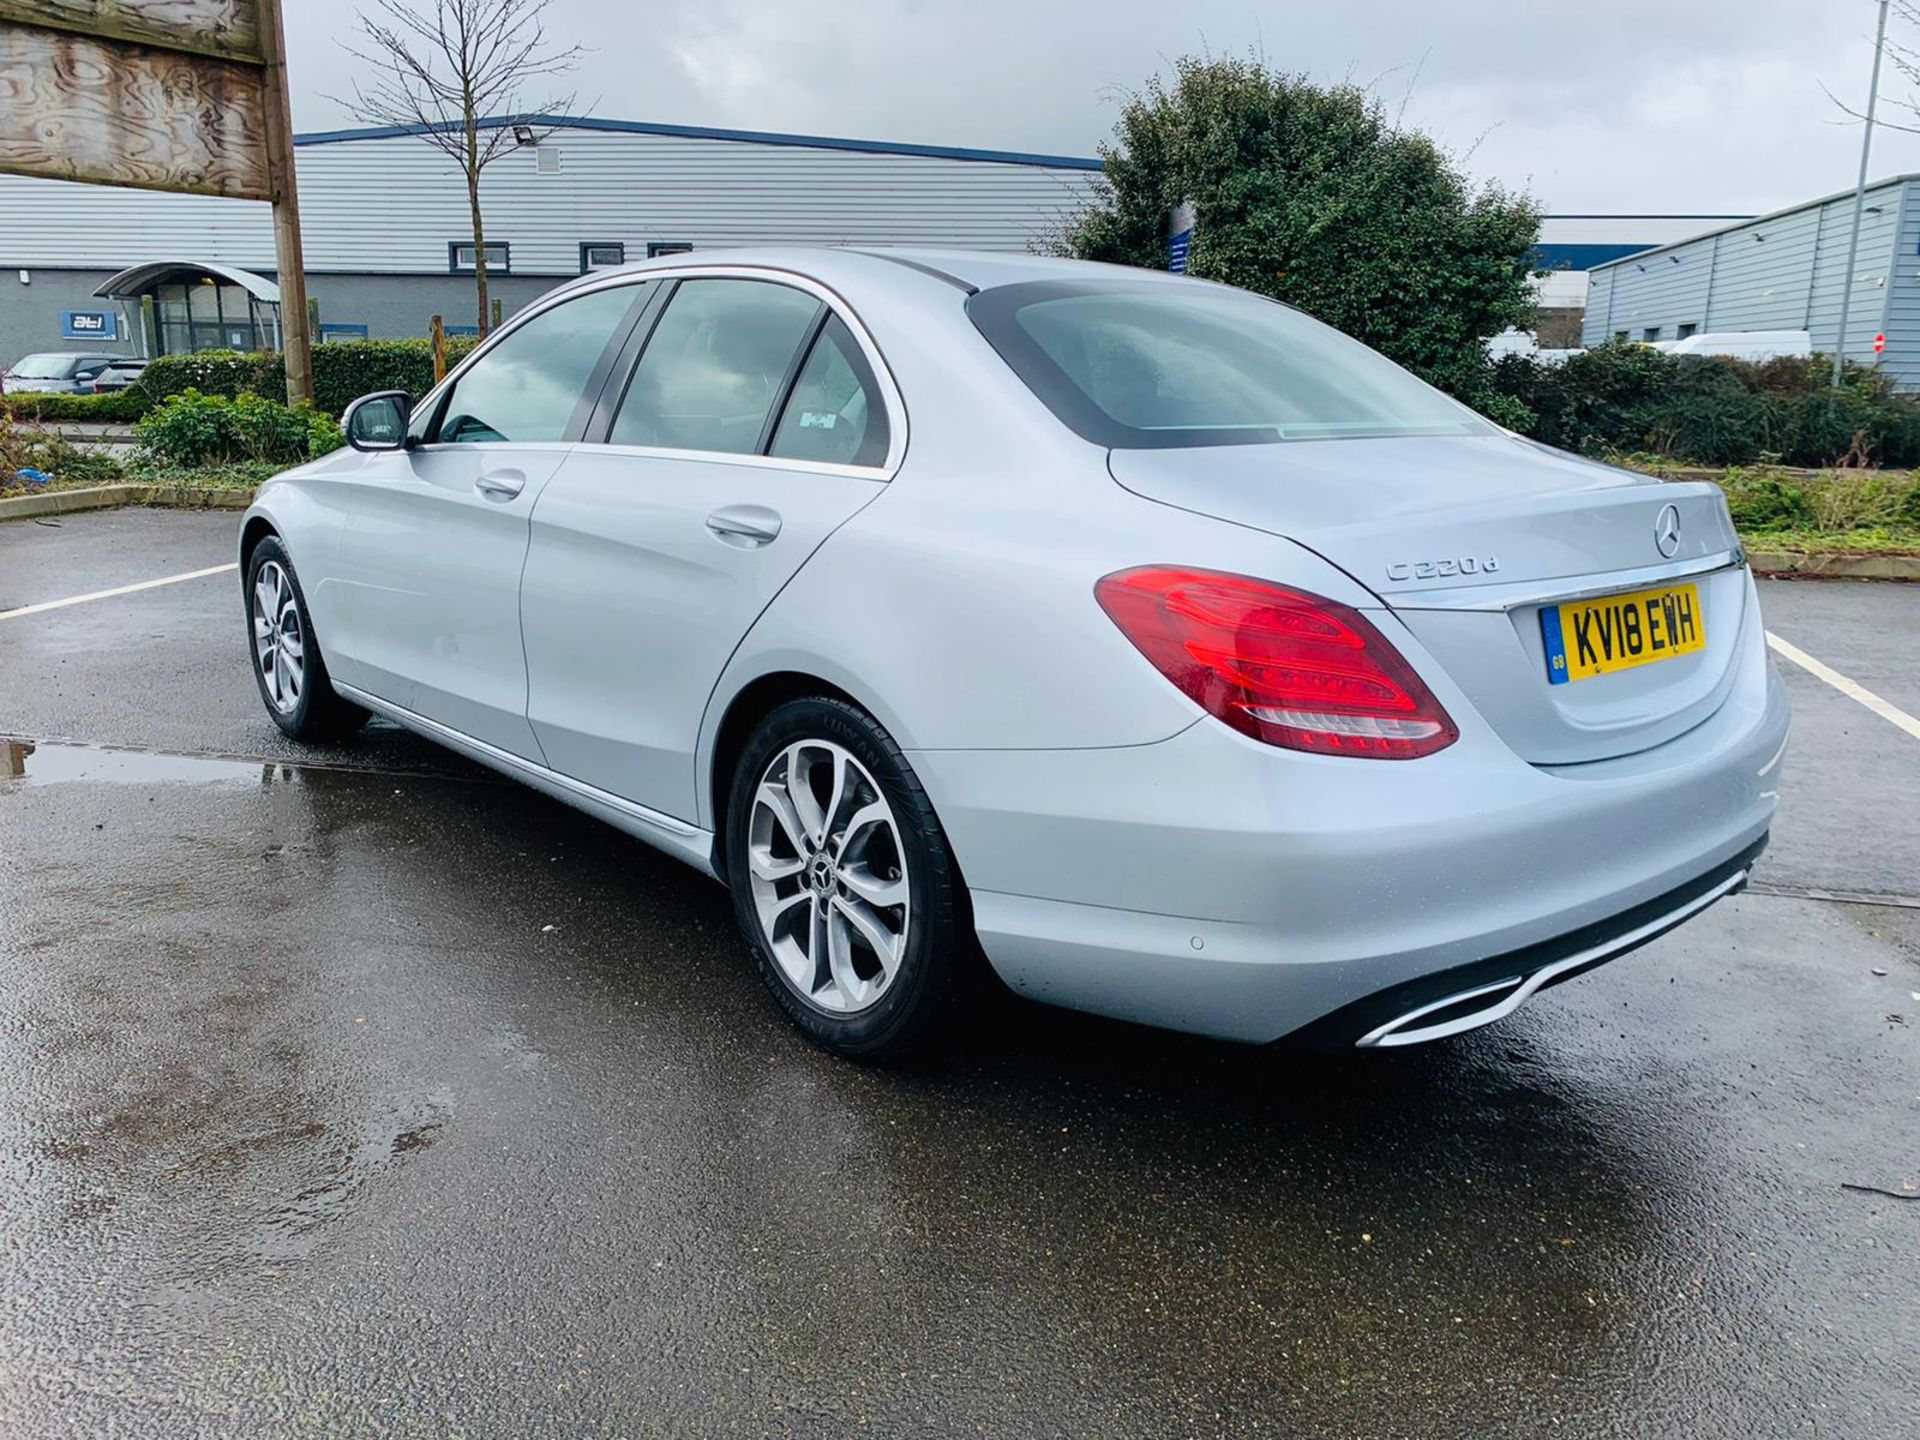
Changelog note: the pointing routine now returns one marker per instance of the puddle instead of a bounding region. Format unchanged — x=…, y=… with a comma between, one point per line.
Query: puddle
x=53, y=764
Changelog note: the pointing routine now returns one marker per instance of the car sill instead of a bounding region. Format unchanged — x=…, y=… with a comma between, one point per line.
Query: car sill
x=679, y=839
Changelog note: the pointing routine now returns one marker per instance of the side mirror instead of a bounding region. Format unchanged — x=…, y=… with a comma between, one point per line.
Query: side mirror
x=378, y=421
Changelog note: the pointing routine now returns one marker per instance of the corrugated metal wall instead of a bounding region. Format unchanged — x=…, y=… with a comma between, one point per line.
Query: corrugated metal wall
x=1902, y=326
x=1781, y=272
x=391, y=205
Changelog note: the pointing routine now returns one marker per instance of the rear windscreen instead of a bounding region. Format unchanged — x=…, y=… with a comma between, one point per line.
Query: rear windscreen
x=1151, y=364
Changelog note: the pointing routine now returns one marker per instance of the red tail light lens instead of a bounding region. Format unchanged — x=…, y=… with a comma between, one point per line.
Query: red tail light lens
x=1280, y=665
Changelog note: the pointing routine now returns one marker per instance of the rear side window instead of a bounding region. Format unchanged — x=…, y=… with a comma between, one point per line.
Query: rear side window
x=716, y=365
x=1136, y=365
x=527, y=387
x=834, y=415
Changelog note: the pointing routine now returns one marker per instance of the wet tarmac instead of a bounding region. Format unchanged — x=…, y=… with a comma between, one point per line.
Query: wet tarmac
x=354, y=1091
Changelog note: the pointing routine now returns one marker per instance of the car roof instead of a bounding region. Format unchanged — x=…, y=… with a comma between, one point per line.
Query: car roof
x=966, y=269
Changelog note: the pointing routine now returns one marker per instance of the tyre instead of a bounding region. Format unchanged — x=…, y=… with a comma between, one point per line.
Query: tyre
x=845, y=886
x=287, y=663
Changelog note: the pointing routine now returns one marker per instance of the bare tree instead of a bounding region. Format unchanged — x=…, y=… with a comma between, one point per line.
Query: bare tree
x=442, y=72
x=1903, y=57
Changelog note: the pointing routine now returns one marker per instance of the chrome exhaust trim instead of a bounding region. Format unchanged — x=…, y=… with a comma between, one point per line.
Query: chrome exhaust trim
x=1503, y=997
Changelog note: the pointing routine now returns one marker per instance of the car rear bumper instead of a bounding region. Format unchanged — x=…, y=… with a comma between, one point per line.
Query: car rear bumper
x=1211, y=884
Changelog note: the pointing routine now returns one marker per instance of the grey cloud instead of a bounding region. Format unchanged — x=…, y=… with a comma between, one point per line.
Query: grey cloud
x=1637, y=105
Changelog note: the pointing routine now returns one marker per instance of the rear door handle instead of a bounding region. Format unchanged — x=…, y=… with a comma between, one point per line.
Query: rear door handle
x=747, y=526
x=500, y=484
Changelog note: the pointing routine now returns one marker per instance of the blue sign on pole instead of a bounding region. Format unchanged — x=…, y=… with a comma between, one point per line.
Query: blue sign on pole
x=1180, y=238
x=89, y=325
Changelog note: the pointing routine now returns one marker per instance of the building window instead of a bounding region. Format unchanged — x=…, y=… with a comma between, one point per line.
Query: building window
x=208, y=315
x=601, y=255
x=332, y=332
x=1650, y=334
x=1686, y=330
x=668, y=247
x=460, y=257
x=1620, y=337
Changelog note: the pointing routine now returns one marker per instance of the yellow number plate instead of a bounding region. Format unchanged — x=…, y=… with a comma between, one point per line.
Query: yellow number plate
x=1585, y=638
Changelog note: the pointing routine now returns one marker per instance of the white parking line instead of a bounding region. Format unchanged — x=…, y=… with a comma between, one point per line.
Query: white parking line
x=1853, y=690
x=18, y=611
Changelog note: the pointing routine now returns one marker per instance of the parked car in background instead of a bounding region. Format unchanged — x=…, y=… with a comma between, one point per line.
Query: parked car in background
x=56, y=372
x=119, y=375
x=1754, y=345
x=1196, y=663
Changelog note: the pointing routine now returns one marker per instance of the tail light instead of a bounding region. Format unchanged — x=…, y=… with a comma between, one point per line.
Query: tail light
x=1280, y=665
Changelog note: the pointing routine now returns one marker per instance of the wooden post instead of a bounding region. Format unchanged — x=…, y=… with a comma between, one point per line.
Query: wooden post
x=437, y=334
x=496, y=312
x=296, y=338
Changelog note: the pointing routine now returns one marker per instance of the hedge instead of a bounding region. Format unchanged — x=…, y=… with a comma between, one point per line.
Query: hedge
x=341, y=372
x=1624, y=398
x=115, y=407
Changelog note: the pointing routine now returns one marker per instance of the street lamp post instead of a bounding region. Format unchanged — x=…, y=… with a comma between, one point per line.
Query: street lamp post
x=1859, y=200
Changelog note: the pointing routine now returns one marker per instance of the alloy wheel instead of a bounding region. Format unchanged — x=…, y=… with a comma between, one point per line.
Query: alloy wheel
x=279, y=642
x=828, y=876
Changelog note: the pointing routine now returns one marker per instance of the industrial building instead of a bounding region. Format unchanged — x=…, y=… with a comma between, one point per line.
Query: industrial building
x=1783, y=271
x=388, y=242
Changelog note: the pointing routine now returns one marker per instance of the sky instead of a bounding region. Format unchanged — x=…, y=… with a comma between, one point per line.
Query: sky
x=1626, y=107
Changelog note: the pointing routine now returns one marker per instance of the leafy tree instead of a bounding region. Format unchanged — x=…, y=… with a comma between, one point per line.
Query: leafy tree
x=1311, y=195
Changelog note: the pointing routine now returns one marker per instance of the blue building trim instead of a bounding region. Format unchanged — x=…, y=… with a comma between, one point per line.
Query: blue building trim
x=705, y=132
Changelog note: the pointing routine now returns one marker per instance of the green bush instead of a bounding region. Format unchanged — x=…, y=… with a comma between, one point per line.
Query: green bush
x=191, y=429
x=1906, y=510
x=1768, y=504
x=341, y=372
x=1701, y=410
x=118, y=407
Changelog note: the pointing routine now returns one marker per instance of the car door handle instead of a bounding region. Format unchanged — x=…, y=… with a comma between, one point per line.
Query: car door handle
x=500, y=484
x=745, y=525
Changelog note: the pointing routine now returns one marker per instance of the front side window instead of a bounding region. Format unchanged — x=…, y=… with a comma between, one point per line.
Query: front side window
x=716, y=365
x=834, y=415
x=1139, y=365
x=526, y=387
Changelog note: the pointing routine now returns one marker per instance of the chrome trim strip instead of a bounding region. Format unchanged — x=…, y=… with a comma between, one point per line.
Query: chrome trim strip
x=1519, y=989
x=722, y=457
x=1536, y=592
x=669, y=833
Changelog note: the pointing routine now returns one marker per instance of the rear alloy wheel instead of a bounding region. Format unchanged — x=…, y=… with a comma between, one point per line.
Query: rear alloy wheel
x=828, y=883
x=287, y=663
x=844, y=884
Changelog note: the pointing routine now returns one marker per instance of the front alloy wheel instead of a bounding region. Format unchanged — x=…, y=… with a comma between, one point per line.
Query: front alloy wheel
x=287, y=663
x=279, y=640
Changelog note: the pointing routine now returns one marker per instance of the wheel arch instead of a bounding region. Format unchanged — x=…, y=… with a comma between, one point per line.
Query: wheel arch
x=257, y=528
x=751, y=704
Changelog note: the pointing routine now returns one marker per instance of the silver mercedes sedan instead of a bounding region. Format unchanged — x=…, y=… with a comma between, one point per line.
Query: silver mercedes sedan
x=1134, y=639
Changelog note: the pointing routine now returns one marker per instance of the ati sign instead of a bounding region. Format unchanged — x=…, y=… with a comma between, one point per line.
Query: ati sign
x=89, y=325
